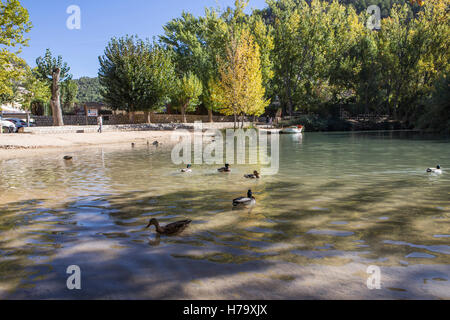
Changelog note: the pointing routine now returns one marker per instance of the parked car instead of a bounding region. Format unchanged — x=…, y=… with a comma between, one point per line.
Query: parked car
x=19, y=123
x=7, y=126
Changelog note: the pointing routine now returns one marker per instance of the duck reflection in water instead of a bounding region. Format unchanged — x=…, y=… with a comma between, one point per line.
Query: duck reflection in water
x=156, y=242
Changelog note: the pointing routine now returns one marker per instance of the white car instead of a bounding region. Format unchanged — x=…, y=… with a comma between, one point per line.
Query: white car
x=19, y=123
x=7, y=126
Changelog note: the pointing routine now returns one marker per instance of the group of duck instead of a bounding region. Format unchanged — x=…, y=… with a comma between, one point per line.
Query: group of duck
x=241, y=201
x=179, y=226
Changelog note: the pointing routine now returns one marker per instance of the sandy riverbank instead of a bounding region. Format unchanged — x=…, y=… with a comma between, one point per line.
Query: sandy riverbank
x=22, y=145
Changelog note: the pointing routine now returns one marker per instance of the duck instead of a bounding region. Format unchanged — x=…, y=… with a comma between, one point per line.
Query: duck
x=67, y=158
x=170, y=229
x=245, y=201
x=255, y=175
x=187, y=169
x=156, y=143
x=438, y=170
x=225, y=169
x=133, y=145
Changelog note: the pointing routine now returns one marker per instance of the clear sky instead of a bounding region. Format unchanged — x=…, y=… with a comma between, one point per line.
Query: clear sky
x=101, y=20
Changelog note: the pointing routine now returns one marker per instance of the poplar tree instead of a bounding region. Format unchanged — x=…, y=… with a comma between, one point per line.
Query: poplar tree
x=240, y=88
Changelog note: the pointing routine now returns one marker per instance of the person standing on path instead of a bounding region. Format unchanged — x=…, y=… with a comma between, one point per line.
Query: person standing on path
x=100, y=123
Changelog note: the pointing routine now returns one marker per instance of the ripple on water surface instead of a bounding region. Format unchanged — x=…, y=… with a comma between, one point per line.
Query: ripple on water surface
x=337, y=199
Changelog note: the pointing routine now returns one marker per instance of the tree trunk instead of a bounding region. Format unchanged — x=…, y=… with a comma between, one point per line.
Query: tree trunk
x=242, y=121
x=131, y=117
x=235, y=120
x=210, y=115
x=55, y=101
x=148, y=117
x=395, y=111
x=183, y=113
x=289, y=100
x=86, y=118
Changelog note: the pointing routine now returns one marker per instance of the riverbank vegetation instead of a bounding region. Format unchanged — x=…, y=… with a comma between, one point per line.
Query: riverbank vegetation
x=317, y=59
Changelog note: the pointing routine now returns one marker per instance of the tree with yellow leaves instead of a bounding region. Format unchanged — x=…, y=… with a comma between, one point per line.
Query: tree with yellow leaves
x=240, y=89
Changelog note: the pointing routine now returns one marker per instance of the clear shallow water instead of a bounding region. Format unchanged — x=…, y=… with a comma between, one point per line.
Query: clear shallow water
x=341, y=202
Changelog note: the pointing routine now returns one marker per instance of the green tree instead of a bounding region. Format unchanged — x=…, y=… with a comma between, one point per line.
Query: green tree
x=14, y=23
x=436, y=106
x=136, y=75
x=196, y=43
x=310, y=37
x=36, y=91
x=69, y=92
x=413, y=51
x=89, y=90
x=54, y=71
x=189, y=90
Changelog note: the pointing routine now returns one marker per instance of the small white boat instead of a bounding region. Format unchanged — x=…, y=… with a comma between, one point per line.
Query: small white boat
x=292, y=130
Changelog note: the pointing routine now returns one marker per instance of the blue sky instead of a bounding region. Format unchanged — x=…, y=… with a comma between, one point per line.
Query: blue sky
x=101, y=20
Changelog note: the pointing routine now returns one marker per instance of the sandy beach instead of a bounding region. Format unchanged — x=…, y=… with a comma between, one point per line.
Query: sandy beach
x=23, y=145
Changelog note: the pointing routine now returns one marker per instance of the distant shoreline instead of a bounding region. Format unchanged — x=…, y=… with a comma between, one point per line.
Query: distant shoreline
x=24, y=145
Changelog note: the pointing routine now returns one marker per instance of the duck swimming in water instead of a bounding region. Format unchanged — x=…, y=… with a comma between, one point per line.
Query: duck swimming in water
x=225, y=169
x=67, y=158
x=438, y=170
x=245, y=201
x=188, y=169
x=170, y=229
x=255, y=175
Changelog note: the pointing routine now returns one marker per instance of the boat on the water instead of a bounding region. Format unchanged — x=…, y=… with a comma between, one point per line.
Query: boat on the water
x=292, y=130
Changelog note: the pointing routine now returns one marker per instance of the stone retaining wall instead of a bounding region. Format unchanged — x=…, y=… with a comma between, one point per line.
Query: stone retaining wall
x=127, y=127
x=46, y=121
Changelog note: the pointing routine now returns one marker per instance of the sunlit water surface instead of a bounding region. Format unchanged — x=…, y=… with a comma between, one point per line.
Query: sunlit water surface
x=340, y=202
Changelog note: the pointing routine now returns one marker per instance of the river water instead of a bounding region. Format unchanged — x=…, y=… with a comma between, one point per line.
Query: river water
x=341, y=202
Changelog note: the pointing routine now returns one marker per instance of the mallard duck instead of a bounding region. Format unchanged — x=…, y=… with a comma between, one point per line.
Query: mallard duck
x=67, y=158
x=156, y=143
x=169, y=229
x=255, y=175
x=187, y=169
x=245, y=201
x=225, y=169
x=438, y=170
